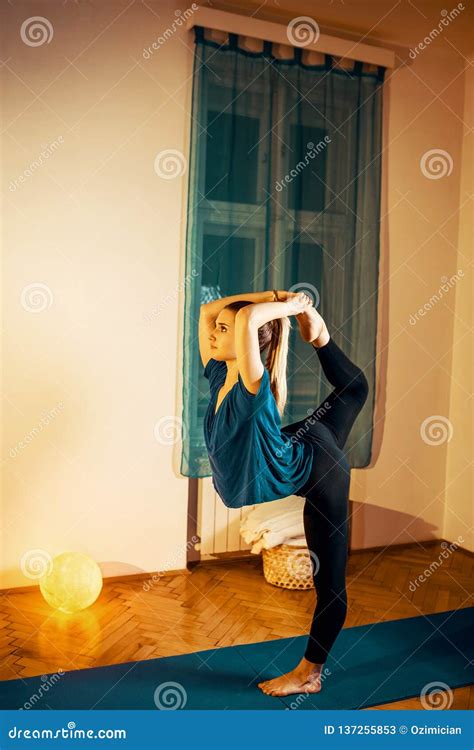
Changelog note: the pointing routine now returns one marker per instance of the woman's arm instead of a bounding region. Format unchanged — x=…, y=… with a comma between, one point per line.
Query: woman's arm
x=247, y=322
x=213, y=308
x=261, y=313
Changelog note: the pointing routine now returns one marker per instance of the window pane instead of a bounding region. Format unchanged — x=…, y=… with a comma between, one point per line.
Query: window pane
x=231, y=157
x=307, y=189
x=221, y=256
x=304, y=266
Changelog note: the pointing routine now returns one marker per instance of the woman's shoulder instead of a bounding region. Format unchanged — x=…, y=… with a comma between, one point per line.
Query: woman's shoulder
x=264, y=386
x=213, y=365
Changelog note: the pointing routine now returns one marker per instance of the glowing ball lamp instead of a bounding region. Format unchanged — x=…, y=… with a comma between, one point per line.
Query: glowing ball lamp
x=73, y=582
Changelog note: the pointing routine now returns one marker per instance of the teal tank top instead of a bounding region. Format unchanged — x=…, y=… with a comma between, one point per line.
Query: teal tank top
x=252, y=460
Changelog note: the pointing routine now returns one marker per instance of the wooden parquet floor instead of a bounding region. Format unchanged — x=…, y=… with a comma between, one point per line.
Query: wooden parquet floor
x=222, y=603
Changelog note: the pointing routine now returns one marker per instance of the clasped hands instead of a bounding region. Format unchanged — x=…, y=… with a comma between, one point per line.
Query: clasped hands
x=298, y=302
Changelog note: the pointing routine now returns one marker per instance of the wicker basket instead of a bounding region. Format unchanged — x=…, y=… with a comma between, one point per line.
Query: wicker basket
x=288, y=567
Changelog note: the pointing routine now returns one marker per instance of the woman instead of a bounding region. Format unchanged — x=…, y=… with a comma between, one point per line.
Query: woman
x=253, y=459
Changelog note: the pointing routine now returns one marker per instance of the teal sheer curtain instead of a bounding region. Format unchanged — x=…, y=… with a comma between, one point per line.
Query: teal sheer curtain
x=284, y=190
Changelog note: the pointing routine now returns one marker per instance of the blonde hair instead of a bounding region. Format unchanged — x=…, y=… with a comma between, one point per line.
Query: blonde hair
x=274, y=335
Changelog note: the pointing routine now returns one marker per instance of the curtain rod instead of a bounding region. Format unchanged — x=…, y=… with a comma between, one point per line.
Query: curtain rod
x=233, y=23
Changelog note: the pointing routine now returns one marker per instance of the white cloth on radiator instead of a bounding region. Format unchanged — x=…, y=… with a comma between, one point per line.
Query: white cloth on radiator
x=278, y=522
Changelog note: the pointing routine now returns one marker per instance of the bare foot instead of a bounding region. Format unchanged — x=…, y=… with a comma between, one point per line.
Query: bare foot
x=312, y=327
x=305, y=678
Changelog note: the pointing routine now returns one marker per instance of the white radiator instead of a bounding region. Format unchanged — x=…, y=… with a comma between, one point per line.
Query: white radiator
x=218, y=526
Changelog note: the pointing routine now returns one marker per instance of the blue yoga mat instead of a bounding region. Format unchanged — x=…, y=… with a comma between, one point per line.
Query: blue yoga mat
x=368, y=665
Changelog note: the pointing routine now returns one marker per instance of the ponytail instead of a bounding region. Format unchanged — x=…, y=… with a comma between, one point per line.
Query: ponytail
x=277, y=360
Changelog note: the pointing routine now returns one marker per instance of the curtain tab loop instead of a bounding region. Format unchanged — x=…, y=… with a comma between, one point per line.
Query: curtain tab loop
x=233, y=39
x=298, y=53
x=267, y=49
x=328, y=61
x=198, y=34
x=358, y=65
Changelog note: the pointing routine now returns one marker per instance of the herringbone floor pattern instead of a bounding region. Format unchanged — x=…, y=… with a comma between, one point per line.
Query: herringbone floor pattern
x=222, y=603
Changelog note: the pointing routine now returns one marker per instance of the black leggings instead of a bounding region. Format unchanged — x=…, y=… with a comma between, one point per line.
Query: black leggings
x=325, y=513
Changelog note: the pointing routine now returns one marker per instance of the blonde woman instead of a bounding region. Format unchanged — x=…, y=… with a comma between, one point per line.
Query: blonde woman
x=255, y=460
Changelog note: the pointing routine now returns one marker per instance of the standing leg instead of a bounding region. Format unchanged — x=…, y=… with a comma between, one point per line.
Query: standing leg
x=325, y=518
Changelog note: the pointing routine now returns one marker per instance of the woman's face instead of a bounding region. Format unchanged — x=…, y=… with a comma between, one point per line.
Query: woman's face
x=222, y=339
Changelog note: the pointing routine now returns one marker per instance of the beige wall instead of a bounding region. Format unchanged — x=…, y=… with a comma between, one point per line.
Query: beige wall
x=86, y=379
x=411, y=491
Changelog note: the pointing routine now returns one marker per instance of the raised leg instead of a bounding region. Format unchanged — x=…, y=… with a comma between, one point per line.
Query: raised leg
x=339, y=410
x=350, y=391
